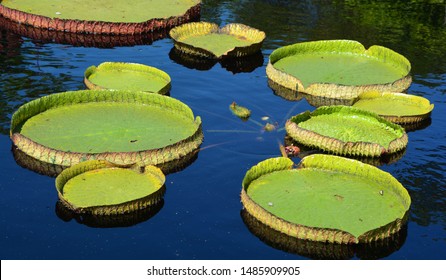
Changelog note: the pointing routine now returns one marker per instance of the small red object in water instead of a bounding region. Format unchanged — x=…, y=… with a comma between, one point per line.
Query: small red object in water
x=292, y=150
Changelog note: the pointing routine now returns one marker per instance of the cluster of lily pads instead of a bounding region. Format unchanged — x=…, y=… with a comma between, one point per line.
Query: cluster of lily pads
x=111, y=137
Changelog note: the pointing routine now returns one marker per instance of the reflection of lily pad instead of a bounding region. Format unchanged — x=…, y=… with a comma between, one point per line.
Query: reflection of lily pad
x=102, y=188
x=82, y=39
x=118, y=126
x=396, y=107
x=99, y=17
x=127, y=76
x=347, y=131
x=322, y=250
x=328, y=199
x=338, y=68
x=208, y=40
x=109, y=221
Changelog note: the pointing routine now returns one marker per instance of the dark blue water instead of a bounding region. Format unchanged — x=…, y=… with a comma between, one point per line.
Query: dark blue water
x=201, y=215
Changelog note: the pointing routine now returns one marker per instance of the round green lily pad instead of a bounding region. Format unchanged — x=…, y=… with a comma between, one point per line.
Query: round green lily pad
x=396, y=107
x=328, y=199
x=101, y=17
x=347, y=131
x=208, y=40
x=338, y=68
x=101, y=188
x=122, y=127
x=127, y=76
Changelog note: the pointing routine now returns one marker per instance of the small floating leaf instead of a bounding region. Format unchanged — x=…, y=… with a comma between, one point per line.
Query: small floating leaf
x=240, y=111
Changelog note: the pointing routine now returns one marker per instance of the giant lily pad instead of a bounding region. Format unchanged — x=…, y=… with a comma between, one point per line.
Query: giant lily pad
x=327, y=199
x=339, y=69
x=396, y=107
x=101, y=188
x=127, y=76
x=101, y=17
x=208, y=40
x=118, y=126
x=347, y=131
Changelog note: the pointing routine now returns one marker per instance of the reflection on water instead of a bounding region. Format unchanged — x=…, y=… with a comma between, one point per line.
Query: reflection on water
x=109, y=221
x=321, y=250
x=192, y=223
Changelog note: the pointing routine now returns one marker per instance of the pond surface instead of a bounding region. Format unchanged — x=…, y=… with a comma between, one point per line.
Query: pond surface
x=201, y=216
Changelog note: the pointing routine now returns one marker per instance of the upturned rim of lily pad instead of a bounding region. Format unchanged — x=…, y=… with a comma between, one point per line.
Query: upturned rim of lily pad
x=393, y=98
x=128, y=67
x=100, y=27
x=187, y=30
x=325, y=163
x=157, y=156
x=154, y=175
x=337, y=146
x=332, y=90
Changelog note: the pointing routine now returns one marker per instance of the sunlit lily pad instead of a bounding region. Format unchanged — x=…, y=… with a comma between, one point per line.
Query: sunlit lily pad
x=101, y=17
x=102, y=188
x=327, y=199
x=118, y=126
x=208, y=40
x=347, y=131
x=127, y=76
x=396, y=107
x=339, y=69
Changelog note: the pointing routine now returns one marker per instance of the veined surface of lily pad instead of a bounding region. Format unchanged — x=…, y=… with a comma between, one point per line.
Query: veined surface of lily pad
x=338, y=68
x=396, y=107
x=102, y=188
x=127, y=76
x=101, y=16
x=328, y=199
x=122, y=127
x=208, y=40
x=347, y=131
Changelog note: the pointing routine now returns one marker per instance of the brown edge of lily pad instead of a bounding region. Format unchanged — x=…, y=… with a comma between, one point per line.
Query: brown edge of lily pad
x=306, y=232
x=202, y=28
x=136, y=67
x=333, y=145
x=99, y=27
x=106, y=210
x=81, y=39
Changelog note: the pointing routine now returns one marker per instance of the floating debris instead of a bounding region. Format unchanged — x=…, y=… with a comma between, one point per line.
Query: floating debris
x=240, y=111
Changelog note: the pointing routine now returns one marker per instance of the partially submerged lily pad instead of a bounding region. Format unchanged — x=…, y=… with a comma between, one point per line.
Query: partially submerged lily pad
x=347, y=131
x=118, y=126
x=127, y=76
x=396, y=107
x=101, y=17
x=339, y=69
x=101, y=188
x=208, y=40
x=327, y=199
x=240, y=111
